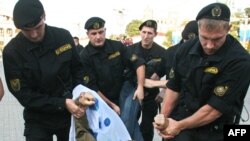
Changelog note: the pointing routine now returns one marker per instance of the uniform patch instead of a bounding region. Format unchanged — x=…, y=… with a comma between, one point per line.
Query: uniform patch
x=171, y=73
x=86, y=79
x=157, y=60
x=15, y=84
x=220, y=90
x=114, y=55
x=213, y=70
x=63, y=49
x=134, y=57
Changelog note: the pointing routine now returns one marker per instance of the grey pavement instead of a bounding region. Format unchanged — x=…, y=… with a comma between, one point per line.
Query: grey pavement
x=11, y=117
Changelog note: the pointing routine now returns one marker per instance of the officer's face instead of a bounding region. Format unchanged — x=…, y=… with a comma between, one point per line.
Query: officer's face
x=36, y=33
x=147, y=36
x=212, y=39
x=97, y=37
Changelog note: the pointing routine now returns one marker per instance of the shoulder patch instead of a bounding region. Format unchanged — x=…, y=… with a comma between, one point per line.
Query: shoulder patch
x=220, y=90
x=63, y=49
x=15, y=84
x=114, y=55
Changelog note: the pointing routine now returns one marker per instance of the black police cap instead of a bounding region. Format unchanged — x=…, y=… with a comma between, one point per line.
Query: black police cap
x=149, y=23
x=94, y=23
x=27, y=13
x=217, y=11
x=190, y=31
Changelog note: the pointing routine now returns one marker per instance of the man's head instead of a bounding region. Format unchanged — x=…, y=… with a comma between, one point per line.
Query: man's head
x=213, y=22
x=29, y=16
x=190, y=31
x=76, y=40
x=96, y=31
x=148, y=31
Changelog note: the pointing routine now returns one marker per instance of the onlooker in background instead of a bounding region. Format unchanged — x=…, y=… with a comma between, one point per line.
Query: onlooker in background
x=209, y=78
x=1, y=89
x=41, y=67
x=154, y=56
x=79, y=47
x=107, y=60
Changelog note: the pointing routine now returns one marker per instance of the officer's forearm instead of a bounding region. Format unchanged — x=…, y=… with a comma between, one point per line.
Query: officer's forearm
x=205, y=115
x=169, y=102
x=105, y=98
x=140, y=71
x=149, y=83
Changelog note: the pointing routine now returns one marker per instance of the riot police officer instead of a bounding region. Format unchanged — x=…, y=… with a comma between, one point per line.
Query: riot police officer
x=41, y=67
x=154, y=56
x=210, y=80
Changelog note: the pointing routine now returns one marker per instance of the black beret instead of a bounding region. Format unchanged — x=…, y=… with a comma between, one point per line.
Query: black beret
x=149, y=23
x=94, y=23
x=190, y=31
x=27, y=13
x=217, y=11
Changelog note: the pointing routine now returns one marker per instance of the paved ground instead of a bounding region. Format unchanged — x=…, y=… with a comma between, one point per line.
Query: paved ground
x=11, y=119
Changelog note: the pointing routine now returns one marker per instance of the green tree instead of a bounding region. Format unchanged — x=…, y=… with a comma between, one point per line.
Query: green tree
x=168, y=41
x=247, y=11
x=132, y=28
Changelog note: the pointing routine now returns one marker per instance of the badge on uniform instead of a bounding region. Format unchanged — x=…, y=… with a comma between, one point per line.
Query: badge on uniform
x=220, y=90
x=216, y=11
x=114, y=55
x=171, y=73
x=134, y=57
x=15, y=84
x=96, y=25
x=191, y=35
x=212, y=70
x=63, y=49
x=86, y=79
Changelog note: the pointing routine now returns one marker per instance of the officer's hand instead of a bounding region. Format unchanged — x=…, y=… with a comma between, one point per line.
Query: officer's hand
x=86, y=99
x=159, y=98
x=116, y=108
x=139, y=94
x=74, y=109
x=174, y=128
x=160, y=122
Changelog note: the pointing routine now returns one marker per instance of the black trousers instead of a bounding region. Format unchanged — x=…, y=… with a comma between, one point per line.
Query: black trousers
x=149, y=111
x=34, y=132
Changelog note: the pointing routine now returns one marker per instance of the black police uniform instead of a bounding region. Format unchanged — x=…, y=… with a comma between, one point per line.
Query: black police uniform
x=155, y=63
x=170, y=53
x=79, y=48
x=220, y=80
x=189, y=32
x=107, y=65
x=41, y=77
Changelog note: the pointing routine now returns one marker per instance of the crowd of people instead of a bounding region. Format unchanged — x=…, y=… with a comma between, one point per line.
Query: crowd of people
x=187, y=92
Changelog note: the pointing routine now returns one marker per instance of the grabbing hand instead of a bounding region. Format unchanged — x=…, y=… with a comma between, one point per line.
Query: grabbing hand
x=159, y=98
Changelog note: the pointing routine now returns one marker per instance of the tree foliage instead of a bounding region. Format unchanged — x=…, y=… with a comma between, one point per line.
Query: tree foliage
x=132, y=28
x=168, y=41
x=247, y=11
